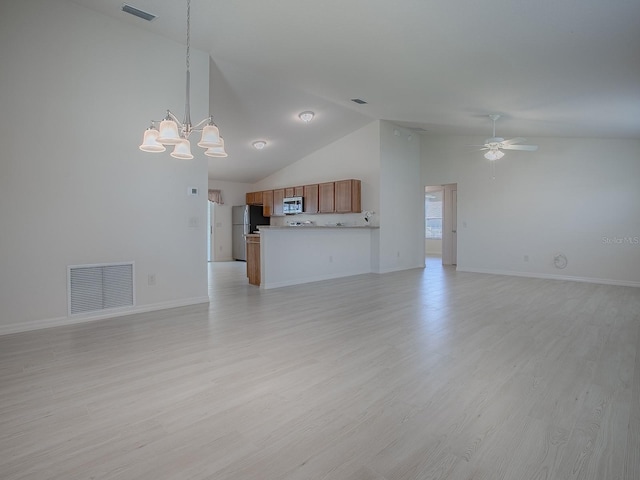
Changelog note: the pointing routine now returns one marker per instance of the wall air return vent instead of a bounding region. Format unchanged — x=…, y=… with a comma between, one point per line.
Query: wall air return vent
x=138, y=13
x=359, y=101
x=93, y=288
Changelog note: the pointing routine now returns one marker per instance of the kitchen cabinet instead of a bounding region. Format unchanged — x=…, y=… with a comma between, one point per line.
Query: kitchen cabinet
x=342, y=196
x=294, y=192
x=267, y=203
x=326, y=197
x=278, y=203
x=254, y=198
x=347, y=196
x=253, y=259
x=310, y=198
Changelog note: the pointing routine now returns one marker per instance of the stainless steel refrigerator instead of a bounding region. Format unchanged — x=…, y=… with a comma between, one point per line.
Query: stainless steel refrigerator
x=244, y=219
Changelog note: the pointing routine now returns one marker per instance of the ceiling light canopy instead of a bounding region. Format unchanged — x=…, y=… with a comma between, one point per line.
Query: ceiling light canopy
x=259, y=144
x=307, y=116
x=173, y=132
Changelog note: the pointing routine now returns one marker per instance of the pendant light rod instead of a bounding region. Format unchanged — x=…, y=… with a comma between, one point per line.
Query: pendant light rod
x=187, y=103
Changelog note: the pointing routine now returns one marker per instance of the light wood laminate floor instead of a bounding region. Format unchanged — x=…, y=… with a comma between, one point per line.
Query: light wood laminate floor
x=421, y=374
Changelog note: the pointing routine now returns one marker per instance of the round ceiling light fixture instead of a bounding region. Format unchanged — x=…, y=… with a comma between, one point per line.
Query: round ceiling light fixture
x=259, y=144
x=307, y=116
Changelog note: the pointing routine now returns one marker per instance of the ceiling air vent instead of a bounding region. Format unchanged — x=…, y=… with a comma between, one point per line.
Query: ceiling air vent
x=138, y=13
x=358, y=101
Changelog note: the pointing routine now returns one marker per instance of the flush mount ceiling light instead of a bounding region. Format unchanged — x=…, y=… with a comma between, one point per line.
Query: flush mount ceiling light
x=259, y=144
x=172, y=132
x=307, y=116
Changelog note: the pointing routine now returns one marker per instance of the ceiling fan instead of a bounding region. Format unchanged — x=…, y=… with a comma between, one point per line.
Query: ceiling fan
x=495, y=145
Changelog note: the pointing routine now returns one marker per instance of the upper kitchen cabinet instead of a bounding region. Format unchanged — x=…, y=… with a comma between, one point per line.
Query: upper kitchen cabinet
x=347, y=196
x=267, y=203
x=294, y=192
x=278, y=203
x=310, y=198
x=254, y=198
x=326, y=197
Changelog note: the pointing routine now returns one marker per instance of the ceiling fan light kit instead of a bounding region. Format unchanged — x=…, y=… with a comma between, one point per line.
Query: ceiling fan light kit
x=173, y=132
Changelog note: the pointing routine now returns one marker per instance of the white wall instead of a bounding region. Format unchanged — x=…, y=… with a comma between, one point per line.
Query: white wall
x=401, y=200
x=433, y=246
x=575, y=196
x=84, y=193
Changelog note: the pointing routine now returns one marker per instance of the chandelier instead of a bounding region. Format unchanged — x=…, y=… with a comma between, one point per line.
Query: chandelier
x=172, y=132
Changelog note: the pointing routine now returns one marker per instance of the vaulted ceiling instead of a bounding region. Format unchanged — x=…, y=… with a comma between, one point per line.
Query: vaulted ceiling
x=567, y=68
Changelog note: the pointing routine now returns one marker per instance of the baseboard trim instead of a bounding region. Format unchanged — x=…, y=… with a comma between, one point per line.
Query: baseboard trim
x=399, y=269
x=315, y=278
x=84, y=318
x=548, y=276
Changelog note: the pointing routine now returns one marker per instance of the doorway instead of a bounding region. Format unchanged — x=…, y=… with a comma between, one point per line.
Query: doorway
x=441, y=219
x=433, y=197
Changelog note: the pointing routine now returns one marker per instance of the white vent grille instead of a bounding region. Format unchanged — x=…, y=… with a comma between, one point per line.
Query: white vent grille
x=100, y=287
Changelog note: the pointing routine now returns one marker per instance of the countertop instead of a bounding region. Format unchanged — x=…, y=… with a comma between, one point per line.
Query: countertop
x=310, y=227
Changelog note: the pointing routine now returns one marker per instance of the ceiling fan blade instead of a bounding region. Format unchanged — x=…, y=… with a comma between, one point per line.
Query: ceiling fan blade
x=513, y=140
x=528, y=148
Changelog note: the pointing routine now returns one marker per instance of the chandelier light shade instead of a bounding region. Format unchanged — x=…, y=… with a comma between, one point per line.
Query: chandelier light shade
x=210, y=137
x=168, y=134
x=173, y=132
x=182, y=150
x=217, y=152
x=150, y=142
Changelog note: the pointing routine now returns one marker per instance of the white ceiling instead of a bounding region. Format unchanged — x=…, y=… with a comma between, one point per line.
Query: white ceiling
x=550, y=67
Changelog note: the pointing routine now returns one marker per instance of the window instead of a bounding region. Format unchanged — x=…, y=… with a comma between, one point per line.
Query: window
x=433, y=214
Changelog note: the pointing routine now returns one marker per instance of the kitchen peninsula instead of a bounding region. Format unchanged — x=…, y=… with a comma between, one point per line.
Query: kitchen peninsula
x=291, y=255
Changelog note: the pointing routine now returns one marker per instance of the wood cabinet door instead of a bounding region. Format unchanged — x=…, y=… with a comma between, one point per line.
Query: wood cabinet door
x=249, y=199
x=288, y=192
x=348, y=196
x=310, y=198
x=278, y=202
x=253, y=260
x=326, y=197
x=267, y=203
x=298, y=192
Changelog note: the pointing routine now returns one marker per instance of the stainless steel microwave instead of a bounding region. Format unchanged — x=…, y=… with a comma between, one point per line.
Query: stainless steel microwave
x=292, y=205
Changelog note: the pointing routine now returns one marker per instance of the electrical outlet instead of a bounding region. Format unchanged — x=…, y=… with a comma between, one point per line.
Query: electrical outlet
x=151, y=279
x=526, y=258
x=330, y=258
